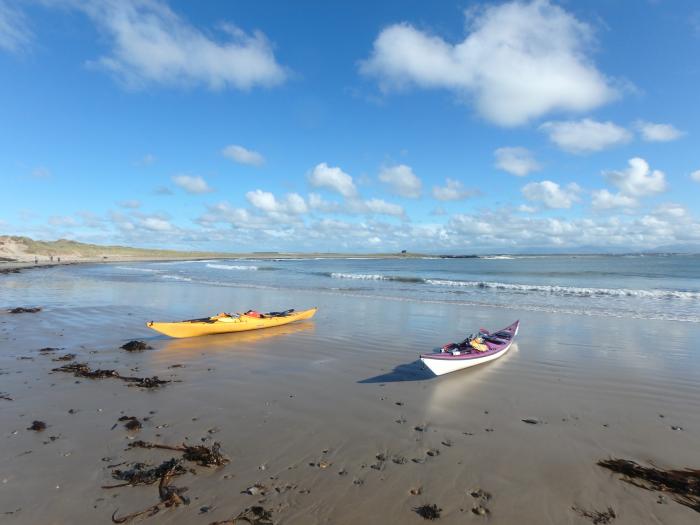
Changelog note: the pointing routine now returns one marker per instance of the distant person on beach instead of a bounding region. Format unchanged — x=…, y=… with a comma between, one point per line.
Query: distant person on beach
x=51, y=258
x=36, y=260
x=59, y=259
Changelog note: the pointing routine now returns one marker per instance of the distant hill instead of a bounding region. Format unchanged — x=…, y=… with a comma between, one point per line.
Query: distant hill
x=23, y=248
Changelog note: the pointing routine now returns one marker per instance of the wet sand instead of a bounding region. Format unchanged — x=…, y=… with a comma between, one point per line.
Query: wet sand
x=333, y=418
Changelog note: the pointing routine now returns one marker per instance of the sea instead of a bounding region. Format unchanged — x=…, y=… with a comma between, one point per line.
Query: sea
x=662, y=286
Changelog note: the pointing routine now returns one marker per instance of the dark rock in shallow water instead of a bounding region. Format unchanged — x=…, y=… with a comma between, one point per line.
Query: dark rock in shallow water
x=136, y=346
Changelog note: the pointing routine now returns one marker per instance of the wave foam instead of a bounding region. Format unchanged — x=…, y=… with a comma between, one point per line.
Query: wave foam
x=570, y=290
x=133, y=269
x=232, y=267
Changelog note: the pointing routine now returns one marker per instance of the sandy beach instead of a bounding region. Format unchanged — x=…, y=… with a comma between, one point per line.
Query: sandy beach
x=332, y=420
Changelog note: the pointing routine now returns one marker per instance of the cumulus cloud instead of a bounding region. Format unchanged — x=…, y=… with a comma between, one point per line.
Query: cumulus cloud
x=242, y=155
x=192, y=184
x=355, y=206
x=453, y=190
x=519, y=61
x=637, y=180
x=15, y=35
x=402, y=180
x=585, y=136
x=652, y=132
x=62, y=221
x=605, y=200
x=333, y=178
x=147, y=160
x=151, y=44
x=695, y=176
x=516, y=161
x=551, y=195
x=375, y=206
x=130, y=204
x=156, y=224
x=41, y=173
x=293, y=204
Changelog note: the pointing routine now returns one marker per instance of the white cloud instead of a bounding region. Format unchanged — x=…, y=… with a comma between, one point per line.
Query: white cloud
x=695, y=176
x=516, y=161
x=637, y=180
x=585, y=136
x=605, y=200
x=524, y=208
x=355, y=206
x=62, y=221
x=402, y=180
x=265, y=201
x=243, y=155
x=151, y=44
x=378, y=206
x=156, y=224
x=147, y=160
x=41, y=173
x=131, y=204
x=453, y=190
x=520, y=60
x=551, y=194
x=333, y=178
x=192, y=184
x=652, y=132
x=15, y=35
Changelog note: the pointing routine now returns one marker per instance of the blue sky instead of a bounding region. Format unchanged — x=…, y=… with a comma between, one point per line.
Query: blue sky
x=441, y=127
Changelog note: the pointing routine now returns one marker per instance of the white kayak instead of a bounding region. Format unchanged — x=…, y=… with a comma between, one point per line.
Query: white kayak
x=457, y=356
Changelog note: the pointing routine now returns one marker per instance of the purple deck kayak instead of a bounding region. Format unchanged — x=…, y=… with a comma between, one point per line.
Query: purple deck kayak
x=454, y=357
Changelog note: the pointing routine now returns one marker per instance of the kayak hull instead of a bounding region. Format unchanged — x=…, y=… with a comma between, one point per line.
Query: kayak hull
x=441, y=363
x=226, y=325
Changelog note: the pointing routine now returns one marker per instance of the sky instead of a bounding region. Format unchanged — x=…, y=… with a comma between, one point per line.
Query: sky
x=440, y=127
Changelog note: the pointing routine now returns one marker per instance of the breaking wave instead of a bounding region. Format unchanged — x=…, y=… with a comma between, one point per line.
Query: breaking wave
x=232, y=267
x=375, y=277
x=569, y=290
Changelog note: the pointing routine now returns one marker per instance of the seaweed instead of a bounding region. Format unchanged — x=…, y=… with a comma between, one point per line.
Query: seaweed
x=136, y=346
x=596, y=516
x=131, y=422
x=170, y=495
x=37, y=426
x=145, y=382
x=22, y=310
x=64, y=357
x=683, y=484
x=83, y=370
x=255, y=515
x=143, y=474
x=200, y=454
x=428, y=512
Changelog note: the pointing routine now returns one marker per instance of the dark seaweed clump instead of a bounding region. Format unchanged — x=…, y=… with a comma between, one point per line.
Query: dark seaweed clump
x=683, y=484
x=428, y=512
x=596, y=516
x=136, y=346
x=22, y=310
x=143, y=474
x=255, y=515
x=200, y=454
x=83, y=370
x=37, y=426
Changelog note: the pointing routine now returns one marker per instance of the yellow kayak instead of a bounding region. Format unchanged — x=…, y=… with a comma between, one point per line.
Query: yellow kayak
x=226, y=323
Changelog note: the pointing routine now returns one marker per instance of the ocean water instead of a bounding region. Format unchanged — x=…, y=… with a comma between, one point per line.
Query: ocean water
x=634, y=286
